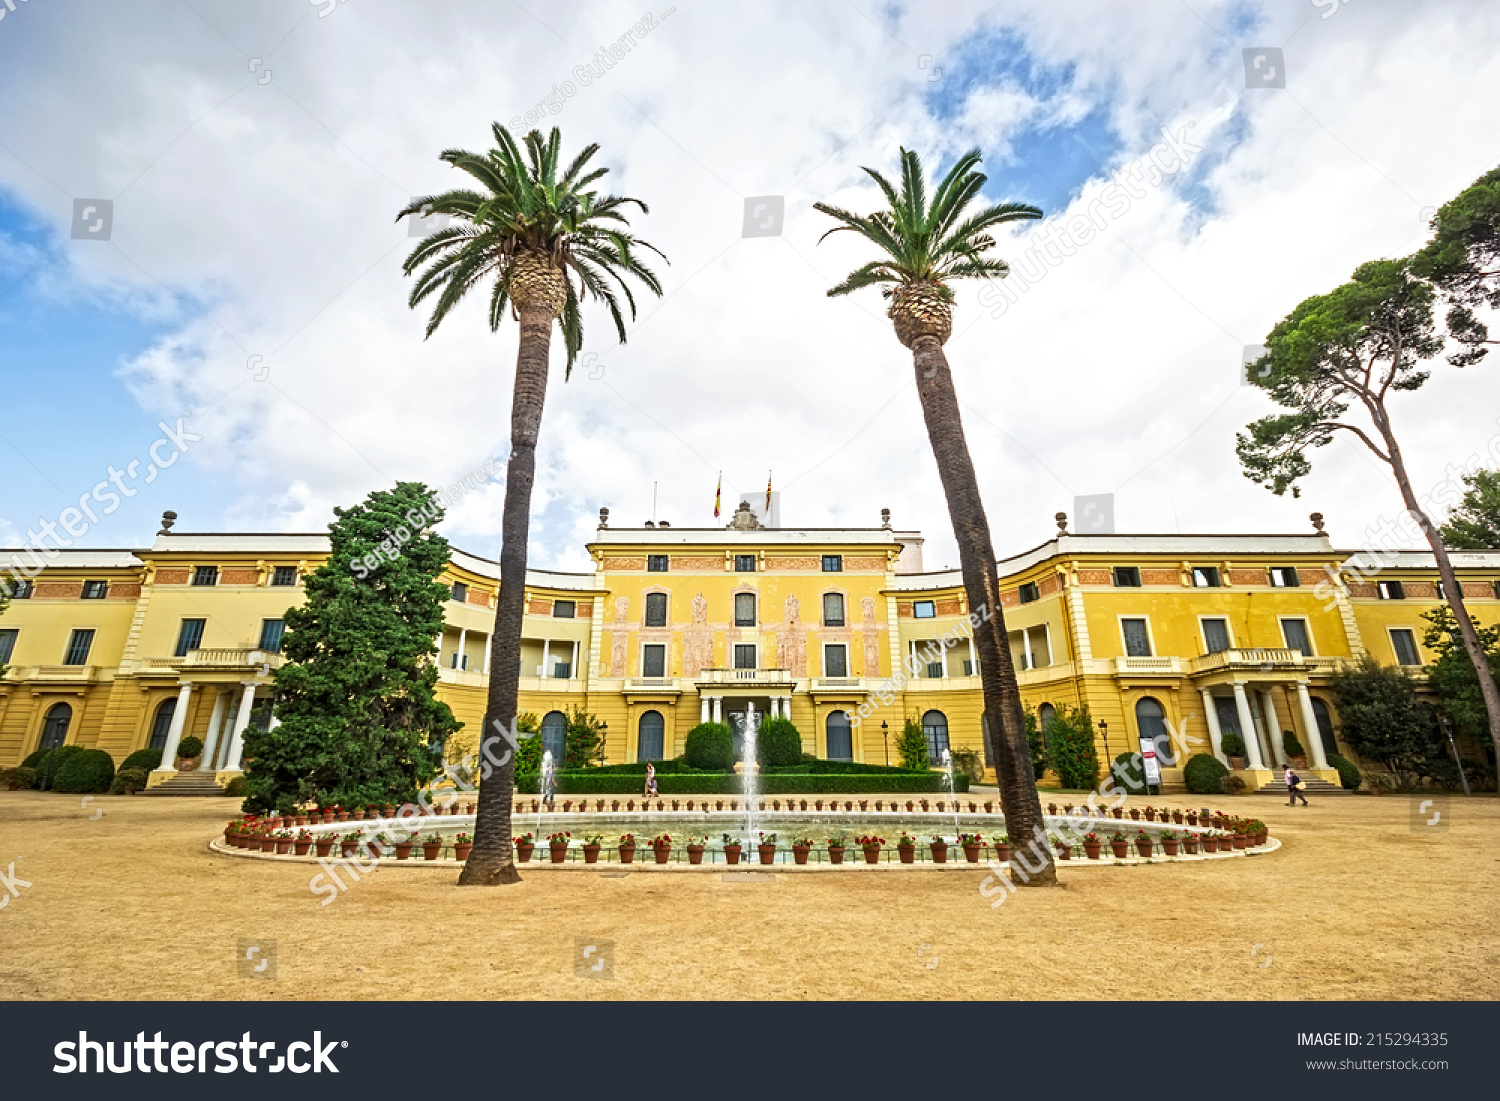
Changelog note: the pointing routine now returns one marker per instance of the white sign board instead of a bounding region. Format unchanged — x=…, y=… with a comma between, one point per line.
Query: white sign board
x=1148, y=758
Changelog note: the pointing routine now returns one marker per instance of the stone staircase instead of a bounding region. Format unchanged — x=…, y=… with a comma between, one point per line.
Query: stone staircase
x=1316, y=788
x=186, y=783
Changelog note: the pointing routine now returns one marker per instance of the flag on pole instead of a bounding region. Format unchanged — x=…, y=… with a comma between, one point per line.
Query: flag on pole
x=718, y=493
x=768, y=494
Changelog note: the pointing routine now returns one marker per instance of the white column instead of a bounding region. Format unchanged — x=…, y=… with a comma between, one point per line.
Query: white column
x=703, y=709
x=718, y=709
x=786, y=707
x=1211, y=715
x=1310, y=725
x=174, y=731
x=546, y=652
x=241, y=721
x=1273, y=728
x=487, y=655
x=215, y=724
x=573, y=662
x=1030, y=662
x=458, y=655
x=1247, y=727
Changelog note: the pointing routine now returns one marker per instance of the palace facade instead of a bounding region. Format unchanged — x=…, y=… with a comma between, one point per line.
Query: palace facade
x=842, y=630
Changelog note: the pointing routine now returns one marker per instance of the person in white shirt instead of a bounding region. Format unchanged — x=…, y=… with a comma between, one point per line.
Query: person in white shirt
x=1291, y=788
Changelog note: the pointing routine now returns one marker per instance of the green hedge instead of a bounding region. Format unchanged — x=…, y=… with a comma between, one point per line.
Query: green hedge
x=147, y=759
x=709, y=746
x=596, y=781
x=89, y=770
x=1349, y=776
x=1204, y=774
x=778, y=742
x=49, y=762
x=128, y=780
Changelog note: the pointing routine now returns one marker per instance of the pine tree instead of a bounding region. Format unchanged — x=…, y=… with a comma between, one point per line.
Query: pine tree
x=360, y=721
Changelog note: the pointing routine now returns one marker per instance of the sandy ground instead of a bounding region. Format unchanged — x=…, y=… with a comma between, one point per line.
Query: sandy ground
x=1356, y=904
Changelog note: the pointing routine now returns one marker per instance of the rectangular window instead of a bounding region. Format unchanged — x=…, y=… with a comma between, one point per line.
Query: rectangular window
x=1440, y=594
x=1391, y=590
x=833, y=563
x=563, y=670
x=1297, y=638
x=271, y=631
x=564, y=609
x=1206, y=577
x=833, y=609
x=656, y=563
x=835, y=661
x=744, y=655
x=1285, y=577
x=744, y=609
x=1497, y=589
x=1215, y=635
x=206, y=575
x=7, y=644
x=1137, y=638
x=79, y=644
x=459, y=592
x=935, y=670
x=656, y=609
x=20, y=588
x=968, y=668
x=1404, y=642
x=284, y=576
x=744, y=563
x=654, y=660
x=1127, y=577
x=1028, y=593
x=924, y=609
x=189, y=636
x=94, y=590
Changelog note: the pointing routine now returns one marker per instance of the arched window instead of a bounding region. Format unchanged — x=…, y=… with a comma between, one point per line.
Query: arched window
x=935, y=726
x=840, y=737
x=1045, y=716
x=55, y=729
x=650, y=736
x=1151, y=722
x=555, y=736
x=162, y=724
x=1325, y=726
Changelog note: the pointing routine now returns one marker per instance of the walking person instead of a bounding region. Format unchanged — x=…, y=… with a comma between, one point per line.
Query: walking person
x=549, y=779
x=650, y=780
x=1294, y=788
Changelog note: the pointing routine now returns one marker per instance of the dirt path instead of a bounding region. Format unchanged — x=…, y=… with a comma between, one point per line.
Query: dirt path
x=1355, y=905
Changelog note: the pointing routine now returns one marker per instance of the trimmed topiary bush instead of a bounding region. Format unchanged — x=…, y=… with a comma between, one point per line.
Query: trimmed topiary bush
x=49, y=762
x=1292, y=744
x=778, y=743
x=18, y=779
x=190, y=747
x=1233, y=744
x=88, y=770
x=1204, y=774
x=148, y=759
x=237, y=787
x=911, y=744
x=1130, y=772
x=1349, y=777
x=128, y=781
x=709, y=746
x=1232, y=784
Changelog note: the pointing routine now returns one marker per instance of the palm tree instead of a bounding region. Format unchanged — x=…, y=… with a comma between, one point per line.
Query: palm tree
x=542, y=242
x=927, y=246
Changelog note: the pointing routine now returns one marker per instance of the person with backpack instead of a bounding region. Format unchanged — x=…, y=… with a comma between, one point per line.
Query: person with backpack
x=1294, y=788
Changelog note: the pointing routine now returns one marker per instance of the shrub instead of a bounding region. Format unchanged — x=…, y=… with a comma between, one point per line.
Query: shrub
x=593, y=782
x=147, y=759
x=1231, y=784
x=583, y=740
x=709, y=746
x=190, y=747
x=1204, y=774
x=778, y=742
x=1349, y=776
x=969, y=763
x=1290, y=743
x=18, y=779
x=1070, y=747
x=1130, y=772
x=528, y=750
x=237, y=787
x=128, y=781
x=88, y=770
x=49, y=762
x=1233, y=744
x=911, y=743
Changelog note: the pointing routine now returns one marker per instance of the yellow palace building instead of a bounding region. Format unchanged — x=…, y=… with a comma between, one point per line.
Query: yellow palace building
x=842, y=630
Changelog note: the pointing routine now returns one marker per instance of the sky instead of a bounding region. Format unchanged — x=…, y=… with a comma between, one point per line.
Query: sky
x=255, y=156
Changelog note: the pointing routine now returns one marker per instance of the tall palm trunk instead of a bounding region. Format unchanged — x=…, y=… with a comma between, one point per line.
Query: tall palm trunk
x=492, y=862
x=1452, y=590
x=976, y=556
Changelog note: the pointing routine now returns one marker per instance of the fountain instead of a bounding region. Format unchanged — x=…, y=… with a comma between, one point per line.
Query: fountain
x=952, y=790
x=749, y=770
x=549, y=781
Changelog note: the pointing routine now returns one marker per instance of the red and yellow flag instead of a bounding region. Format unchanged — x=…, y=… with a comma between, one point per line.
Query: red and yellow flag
x=768, y=494
x=718, y=493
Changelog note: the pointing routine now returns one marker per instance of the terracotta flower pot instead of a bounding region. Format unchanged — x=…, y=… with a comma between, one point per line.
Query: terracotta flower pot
x=300, y=848
x=908, y=853
x=695, y=854
x=1002, y=853
x=971, y=853
x=864, y=804
x=1135, y=814
x=799, y=853
x=1209, y=845
x=1241, y=841
x=690, y=804
x=403, y=850
x=432, y=849
x=469, y=808
x=910, y=805
x=767, y=853
x=559, y=853
x=1191, y=845
x=348, y=848
x=835, y=854
x=971, y=806
x=719, y=804
x=1121, y=849
x=820, y=804
x=323, y=846
x=674, y=805
x=341, y=816
x=599, y=805
x=804, y=804
x=939, y=853
x=775, y=804
x=879, y=804
x=1192, y=819
x=187, y=764
x=1119, y=812
x=627, y=854
x=283, y=846
x=989, y=808
x=614, y=804
x=663, y=853
x=630, y=804
x=872, y=854
x=1092, y=849
x=1177, y=817
x=358, y=815
x=1237, y=763
x=1297, y=762
x=1170, y=847
x=924, y=804
x=1065, y=852
x=1143, y=846
x=1052, y=808
x=523, y=852
x=591, y=854
x=731, y=854
x=461, y=852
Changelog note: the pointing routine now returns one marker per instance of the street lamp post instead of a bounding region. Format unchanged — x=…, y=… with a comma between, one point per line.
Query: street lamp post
x=1104, y=733
x=885, y=736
